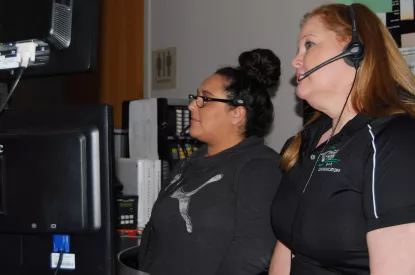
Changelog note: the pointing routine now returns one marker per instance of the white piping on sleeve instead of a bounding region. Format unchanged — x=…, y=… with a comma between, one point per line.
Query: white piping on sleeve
x=373, y=172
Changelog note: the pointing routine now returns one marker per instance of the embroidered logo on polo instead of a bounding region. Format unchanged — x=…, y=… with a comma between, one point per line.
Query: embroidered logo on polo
x=328, y=160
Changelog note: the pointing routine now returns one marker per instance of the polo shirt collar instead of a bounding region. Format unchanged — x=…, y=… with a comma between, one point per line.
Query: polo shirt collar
x=324, y=122
x=313, y=131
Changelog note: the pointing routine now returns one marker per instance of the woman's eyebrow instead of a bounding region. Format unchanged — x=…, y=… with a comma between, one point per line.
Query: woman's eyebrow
x=206, y=93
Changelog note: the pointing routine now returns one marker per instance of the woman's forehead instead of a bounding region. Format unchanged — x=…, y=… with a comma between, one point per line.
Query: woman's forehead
x=213, y=86
x=313, y=26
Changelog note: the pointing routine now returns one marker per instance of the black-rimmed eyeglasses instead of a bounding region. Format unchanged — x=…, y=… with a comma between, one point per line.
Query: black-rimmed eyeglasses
x=201, y=100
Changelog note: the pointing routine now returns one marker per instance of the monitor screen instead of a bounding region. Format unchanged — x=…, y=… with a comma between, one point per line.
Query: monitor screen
x=56, y=172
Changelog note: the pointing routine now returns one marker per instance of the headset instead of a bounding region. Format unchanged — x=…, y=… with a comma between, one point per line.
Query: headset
x=355, y=50
x=352, y=54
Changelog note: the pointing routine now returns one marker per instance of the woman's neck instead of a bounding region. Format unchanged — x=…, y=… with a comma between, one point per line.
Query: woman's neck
x=339, y=122
x=337, y=125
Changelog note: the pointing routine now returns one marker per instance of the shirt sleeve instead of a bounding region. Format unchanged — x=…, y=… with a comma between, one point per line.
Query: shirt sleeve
x=389, y=182
x=253, y=241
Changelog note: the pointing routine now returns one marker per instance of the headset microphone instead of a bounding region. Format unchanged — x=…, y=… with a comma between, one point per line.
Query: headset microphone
x=350, y=52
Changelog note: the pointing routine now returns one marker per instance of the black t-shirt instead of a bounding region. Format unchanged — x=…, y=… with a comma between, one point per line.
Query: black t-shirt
x=362, y=181
x=214, y=215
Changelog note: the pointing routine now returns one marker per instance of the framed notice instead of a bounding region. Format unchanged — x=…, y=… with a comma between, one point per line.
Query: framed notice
x=164, y=69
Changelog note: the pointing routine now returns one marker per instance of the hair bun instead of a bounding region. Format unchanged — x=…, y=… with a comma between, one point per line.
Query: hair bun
x=262, y=64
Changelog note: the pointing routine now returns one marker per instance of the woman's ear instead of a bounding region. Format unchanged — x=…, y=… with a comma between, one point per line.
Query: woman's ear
x=238, y=115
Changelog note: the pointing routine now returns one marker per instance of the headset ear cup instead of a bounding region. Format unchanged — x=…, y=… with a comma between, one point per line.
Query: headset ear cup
x=355, y=59
x=348, y=59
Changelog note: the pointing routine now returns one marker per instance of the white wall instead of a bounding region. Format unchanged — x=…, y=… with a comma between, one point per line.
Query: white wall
x=212, y=33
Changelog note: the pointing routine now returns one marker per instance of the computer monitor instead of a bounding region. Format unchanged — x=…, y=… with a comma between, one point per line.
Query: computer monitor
x=65, y=31
x=56, y=178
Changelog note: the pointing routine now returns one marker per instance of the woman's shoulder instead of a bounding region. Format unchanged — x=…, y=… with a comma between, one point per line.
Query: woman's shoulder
x=264, y=152
x=393, y=124
x=399, y=129
x=262, y=159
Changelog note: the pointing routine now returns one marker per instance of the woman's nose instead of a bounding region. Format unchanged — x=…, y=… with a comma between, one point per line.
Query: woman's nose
x=192, y=105
x=297, y=62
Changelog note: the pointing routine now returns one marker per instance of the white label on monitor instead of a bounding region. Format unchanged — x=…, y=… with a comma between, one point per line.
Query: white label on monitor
x=68, y=261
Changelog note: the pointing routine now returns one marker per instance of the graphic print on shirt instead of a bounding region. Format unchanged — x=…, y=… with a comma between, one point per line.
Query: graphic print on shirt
x=327, y=159
x=174, y=180
x=184, y=200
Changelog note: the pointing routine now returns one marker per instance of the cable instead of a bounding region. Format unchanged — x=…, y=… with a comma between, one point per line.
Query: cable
x=318, y=157
x=165, y=128
x=185, y=131
x=58, y=266
x=27, y=52
x=332, y=132
x=19, y=76
x=181, y=143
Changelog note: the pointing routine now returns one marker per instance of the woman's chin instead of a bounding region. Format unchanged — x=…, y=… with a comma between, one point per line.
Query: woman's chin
x=301, y=93
x=193, y=132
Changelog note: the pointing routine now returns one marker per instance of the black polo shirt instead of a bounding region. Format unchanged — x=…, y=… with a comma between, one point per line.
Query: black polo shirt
x=362, y=181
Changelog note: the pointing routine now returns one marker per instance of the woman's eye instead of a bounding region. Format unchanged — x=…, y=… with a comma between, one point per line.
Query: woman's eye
x=308, y=44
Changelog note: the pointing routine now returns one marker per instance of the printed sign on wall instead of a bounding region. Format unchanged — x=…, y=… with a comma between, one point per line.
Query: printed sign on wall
x=164, y=69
